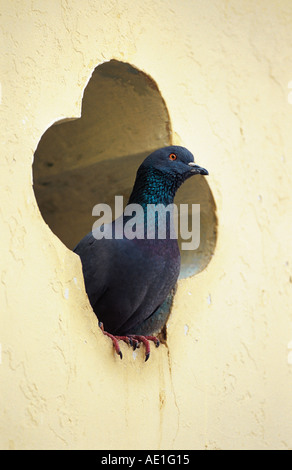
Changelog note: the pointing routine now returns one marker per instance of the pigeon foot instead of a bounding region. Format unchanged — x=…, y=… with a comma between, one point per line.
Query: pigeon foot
x=132, y=340
x=145, y=340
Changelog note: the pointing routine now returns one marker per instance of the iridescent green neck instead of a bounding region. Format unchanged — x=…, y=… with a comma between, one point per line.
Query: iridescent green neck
x=153, y=186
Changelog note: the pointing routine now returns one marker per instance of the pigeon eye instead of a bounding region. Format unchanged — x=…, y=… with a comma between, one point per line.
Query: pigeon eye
x=172, y=156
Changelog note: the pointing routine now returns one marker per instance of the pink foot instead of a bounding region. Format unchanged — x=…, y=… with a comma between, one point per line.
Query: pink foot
x=133, y=340
x=145, y=340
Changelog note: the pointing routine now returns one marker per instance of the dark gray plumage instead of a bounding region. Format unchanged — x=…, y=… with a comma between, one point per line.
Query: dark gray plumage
x=126, y=280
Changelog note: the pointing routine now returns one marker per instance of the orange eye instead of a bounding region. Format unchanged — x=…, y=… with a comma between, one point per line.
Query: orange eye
x=172, y=156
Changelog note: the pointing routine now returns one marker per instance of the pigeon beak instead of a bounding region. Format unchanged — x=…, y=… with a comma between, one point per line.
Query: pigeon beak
x=198, y=170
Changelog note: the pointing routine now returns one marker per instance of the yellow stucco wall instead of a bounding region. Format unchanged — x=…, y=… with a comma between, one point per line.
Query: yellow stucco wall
x=224, y=380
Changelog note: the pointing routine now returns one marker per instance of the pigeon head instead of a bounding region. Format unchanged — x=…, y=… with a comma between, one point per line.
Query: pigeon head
x=174, y=161
x=162, y=173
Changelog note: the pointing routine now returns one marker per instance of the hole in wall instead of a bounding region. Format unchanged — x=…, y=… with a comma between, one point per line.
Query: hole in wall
x=80, y=163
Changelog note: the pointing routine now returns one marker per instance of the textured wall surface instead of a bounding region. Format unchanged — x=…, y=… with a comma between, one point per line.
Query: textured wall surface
x=224, y=379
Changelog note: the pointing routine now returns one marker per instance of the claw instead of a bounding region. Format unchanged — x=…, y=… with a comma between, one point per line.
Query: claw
x=154, y=339
x=135, y=344
x=113, y=338
x=132, y=340
x=145, y=340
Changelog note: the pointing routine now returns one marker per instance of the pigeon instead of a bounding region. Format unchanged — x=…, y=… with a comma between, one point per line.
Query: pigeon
x=129, y=268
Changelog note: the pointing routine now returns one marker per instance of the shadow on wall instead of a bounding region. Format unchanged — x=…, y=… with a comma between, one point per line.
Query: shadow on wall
x=80, y=163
